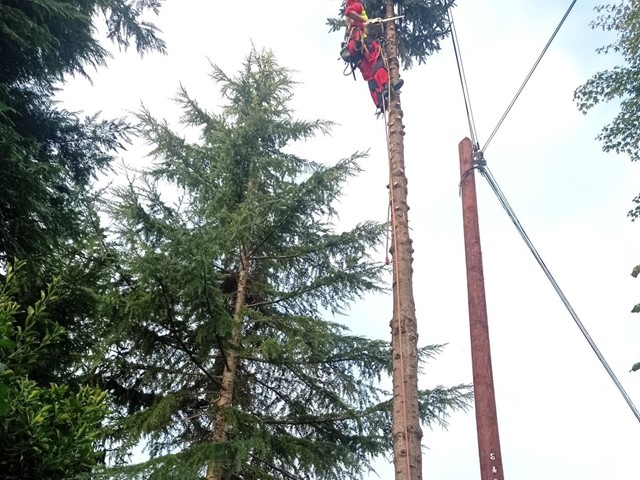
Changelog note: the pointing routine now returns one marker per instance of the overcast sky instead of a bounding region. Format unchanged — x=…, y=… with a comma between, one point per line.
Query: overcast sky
x=560, y=416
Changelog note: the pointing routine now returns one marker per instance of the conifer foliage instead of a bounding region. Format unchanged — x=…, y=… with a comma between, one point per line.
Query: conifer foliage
x=48, y=156
x=219, y=356
x=420, y=30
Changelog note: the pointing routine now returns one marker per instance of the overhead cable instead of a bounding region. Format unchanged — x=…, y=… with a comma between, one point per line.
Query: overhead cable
x=480, y=164
x=484, y=170
x=463, y=81
x=535, y=65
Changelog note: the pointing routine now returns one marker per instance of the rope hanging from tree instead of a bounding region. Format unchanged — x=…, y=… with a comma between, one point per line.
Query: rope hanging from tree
x=397, y=306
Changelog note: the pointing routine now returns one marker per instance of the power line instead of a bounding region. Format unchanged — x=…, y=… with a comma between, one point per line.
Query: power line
x=463, y=80
x=535, y=65
x=480, y=164
x=486, y=173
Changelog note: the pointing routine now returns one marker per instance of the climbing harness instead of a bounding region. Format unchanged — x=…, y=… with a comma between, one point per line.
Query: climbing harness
x=386, y=101
x=368, y=42
x=363, y=43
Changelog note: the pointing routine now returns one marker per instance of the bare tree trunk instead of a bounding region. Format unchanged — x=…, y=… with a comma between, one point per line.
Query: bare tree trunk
x=225, y=396
x=407, y=434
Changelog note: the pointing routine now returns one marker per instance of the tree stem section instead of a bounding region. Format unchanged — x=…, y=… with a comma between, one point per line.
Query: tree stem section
x=223, y=403
x=407, y=433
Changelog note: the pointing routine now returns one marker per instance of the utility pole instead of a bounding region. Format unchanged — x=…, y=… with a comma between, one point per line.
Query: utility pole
x=484, y=393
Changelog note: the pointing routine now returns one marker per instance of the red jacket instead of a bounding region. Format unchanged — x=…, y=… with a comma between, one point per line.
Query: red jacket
x=354, y=6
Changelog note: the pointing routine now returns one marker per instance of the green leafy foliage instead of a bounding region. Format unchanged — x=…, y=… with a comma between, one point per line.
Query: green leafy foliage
x=420, y=31
x=636, y=309
x=45, y=432
x=306, y=398
x=621, y=84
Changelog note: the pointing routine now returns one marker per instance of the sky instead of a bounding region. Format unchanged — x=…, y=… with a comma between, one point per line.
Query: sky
x=559, y=415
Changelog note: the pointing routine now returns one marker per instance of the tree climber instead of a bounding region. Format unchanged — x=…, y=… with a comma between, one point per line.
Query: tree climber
x=365, y=53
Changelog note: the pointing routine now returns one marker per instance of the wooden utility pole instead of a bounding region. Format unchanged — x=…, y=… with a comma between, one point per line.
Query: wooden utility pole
x=484, y=393
x=407, y=433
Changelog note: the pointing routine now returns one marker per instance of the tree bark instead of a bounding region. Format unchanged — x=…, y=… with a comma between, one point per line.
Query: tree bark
x=215, y=471
x=407, y=434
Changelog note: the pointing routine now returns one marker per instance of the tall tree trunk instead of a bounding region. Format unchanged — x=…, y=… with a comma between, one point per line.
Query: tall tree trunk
x=215, y=471
x=407, y=434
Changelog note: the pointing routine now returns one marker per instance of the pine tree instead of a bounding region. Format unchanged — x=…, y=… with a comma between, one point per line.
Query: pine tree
x=48, y=156
x=219, y=355
x=414, y=37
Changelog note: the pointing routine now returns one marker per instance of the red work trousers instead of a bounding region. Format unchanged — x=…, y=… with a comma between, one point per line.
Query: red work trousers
x=369, y=61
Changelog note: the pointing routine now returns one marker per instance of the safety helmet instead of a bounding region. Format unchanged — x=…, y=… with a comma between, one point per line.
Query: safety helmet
x=349, y=2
